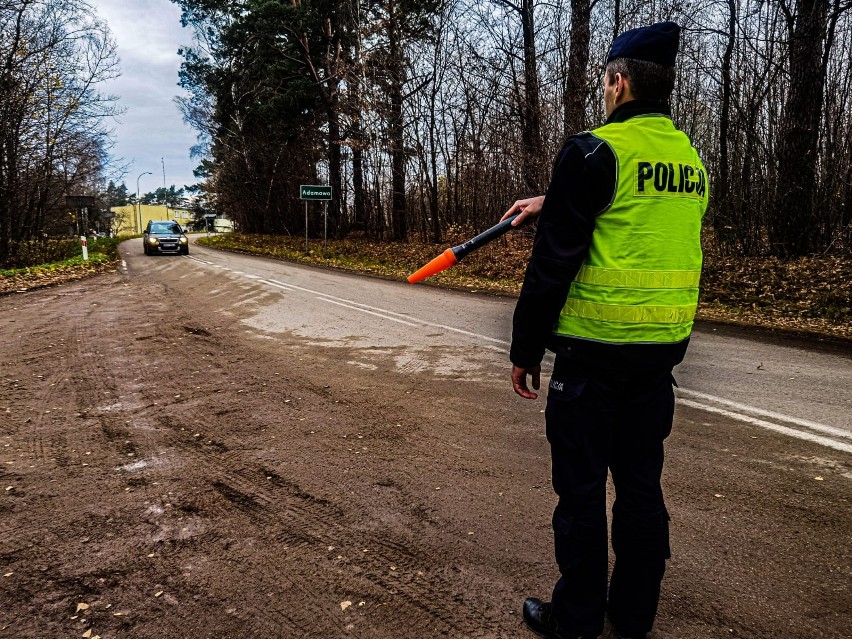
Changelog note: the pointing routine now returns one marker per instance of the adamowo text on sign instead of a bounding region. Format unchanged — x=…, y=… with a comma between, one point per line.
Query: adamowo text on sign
x=314, y=192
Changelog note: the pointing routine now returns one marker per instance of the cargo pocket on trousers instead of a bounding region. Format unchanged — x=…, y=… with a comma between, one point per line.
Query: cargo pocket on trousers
x=562, y=407
x=566, y=389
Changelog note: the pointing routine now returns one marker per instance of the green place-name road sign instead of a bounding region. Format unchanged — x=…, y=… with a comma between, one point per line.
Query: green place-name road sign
x=314, y=192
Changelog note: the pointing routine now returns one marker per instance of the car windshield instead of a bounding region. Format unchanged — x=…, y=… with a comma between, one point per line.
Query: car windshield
x=169, y=227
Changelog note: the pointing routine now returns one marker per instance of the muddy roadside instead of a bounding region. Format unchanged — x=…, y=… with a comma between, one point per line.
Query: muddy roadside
x=168, y=473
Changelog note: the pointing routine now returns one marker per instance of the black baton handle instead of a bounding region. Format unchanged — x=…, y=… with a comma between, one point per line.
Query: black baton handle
x=484, y=238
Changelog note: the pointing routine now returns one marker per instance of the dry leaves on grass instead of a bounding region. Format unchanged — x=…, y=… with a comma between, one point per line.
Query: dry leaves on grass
x=25, y=281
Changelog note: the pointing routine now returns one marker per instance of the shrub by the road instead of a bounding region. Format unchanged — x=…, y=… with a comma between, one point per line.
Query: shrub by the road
x=51, y=262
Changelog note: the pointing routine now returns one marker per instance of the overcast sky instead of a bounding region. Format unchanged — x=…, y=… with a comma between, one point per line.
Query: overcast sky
x=148, y=34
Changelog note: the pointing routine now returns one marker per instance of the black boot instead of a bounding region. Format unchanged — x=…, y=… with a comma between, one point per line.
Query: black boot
x=538, y=615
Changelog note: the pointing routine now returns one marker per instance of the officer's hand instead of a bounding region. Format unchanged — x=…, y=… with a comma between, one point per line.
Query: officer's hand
x=519, y=381
x=529, y=209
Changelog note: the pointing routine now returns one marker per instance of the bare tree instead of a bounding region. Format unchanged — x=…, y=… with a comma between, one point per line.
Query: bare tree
x=53, y=55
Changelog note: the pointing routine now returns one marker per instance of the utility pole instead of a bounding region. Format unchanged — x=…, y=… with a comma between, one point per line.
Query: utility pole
x=138, y=203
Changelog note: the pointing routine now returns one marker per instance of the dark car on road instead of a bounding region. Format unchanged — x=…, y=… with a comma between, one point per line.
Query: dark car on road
x=164, y=237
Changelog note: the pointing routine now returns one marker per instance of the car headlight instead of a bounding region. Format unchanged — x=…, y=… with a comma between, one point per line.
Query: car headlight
x=153, y=241
x=184, y=240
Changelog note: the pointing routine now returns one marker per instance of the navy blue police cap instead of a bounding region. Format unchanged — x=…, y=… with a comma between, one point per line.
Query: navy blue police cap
x=655, y=43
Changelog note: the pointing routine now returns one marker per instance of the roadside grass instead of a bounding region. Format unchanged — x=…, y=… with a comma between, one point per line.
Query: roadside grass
x=103, y=255
x=810, y=295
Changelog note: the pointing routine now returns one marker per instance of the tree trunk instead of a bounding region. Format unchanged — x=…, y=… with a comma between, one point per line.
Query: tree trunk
x=723, y=222
x=358, y=188
x=399, y=221
x=532, y=147
x=433, y=185
x=616, y=19
x=334, y=166
x=791, y=229
x=576, y=87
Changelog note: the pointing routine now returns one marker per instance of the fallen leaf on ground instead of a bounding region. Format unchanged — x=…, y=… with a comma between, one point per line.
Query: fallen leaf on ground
x=82, y=606
x=345, y=604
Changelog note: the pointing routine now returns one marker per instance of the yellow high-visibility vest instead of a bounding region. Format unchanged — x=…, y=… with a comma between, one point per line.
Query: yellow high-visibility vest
x=639, y=283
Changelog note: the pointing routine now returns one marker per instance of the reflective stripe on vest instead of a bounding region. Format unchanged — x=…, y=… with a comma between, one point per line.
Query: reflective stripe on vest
x=638, y=279
x=630, y=314
x=639, y=282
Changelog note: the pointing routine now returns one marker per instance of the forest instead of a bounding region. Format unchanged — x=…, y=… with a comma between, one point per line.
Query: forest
x=427, y=116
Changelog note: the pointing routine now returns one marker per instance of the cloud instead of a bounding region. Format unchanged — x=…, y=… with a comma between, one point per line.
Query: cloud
x=148, y=34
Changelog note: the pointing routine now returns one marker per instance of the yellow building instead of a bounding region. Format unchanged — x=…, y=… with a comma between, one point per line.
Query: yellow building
x=132, y=219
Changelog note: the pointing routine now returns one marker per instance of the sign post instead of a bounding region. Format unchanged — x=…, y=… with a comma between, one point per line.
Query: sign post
x=315, y=192
x=85, y=246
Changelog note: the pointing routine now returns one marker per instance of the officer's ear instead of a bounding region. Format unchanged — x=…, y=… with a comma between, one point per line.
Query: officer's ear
x=623, y=90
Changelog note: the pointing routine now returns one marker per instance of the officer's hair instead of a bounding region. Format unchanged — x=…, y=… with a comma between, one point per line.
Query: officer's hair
x=647, y=80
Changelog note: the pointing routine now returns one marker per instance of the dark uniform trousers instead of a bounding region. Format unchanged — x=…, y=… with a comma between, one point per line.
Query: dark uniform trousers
x=598, y=420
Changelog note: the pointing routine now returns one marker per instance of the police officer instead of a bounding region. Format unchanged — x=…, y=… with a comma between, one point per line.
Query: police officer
x=612, y=288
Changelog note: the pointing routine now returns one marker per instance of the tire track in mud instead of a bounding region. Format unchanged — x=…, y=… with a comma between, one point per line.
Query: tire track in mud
x=303, y=522
x=103, y=382
x=42, y=404
x=298, y=520
x=263, y=503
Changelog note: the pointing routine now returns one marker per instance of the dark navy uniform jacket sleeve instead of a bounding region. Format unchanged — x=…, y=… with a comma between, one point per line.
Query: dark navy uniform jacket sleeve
x=582, y=186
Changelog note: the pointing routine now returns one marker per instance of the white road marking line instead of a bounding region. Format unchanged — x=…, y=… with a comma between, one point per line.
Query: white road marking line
x=745, y=408
x=286, y=287
x=293, y=287
x=791, y=432
x=364, y=310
